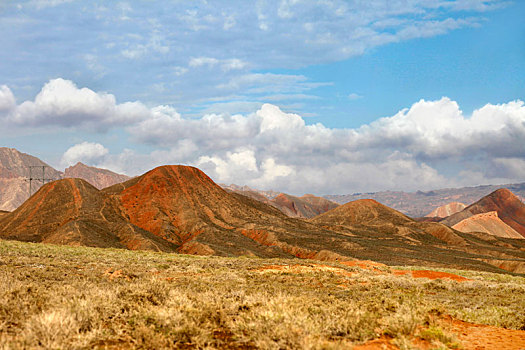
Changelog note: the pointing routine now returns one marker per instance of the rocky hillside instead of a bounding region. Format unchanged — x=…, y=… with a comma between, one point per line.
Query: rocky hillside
x=418, y=204
x=305, y=207
x=180, y=209
x=15, y=173
x=446, y=210
x=73, y=212
x=488, y=223
x=509, y=207
x=100, y=178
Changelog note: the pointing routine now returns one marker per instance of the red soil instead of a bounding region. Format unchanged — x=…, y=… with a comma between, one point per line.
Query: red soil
x=431, y=275
x=382, y=343
x=471, y=336
x=482, y=337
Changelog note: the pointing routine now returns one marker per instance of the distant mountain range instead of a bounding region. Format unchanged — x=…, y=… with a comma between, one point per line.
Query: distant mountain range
x=419, y=204
x=305, y=207
x=15, y=173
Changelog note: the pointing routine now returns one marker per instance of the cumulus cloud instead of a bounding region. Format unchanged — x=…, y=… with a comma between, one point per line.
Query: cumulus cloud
x=62, y=103
x=85, y=152
x=427, y=145
x=438, y=129
x=274, y=149
x=7, y=100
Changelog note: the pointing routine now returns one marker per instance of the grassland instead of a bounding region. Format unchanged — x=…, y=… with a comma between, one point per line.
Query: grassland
x=63, y=297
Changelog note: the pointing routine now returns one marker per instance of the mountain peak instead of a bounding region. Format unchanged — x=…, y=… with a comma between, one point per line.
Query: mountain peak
x=509, y=207
x=98, y=177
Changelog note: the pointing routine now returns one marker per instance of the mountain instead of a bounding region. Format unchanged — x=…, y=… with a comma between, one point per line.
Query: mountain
x=15, y=173
x=394, y=238
x=306, y=206
x=446, y=210
x=509, y=207
x=370, y=215
x=248, y=190
x=73, y=212
x=418, y=204
x=489, y=223
x=180, y=209
x=183, y=205
x=100, y=178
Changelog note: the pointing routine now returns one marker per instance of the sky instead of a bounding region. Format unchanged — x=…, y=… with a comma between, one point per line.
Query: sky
x=299, y=96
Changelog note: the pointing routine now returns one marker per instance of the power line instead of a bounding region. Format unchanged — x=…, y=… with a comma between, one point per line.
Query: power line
x=42, y=179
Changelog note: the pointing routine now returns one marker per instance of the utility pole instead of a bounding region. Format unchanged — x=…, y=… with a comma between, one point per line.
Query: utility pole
x=31, y=178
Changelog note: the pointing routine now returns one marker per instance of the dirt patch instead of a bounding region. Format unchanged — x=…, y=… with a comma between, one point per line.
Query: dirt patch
x=383, y=343
x=482, y=337
x=431, y=275
x=112, y=274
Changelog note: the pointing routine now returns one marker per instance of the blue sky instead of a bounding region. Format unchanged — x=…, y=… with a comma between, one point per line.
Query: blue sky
x=373, y=95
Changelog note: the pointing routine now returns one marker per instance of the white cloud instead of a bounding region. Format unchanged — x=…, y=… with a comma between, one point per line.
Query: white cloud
x=225, y=64
x=85, y=152
x=155, y=44
x=203, y=61
x=7, y=100
x=40, y=4
x=62, y=103
x=405, y=151
x=430, y=144
x=235, y=41
x=353, y=96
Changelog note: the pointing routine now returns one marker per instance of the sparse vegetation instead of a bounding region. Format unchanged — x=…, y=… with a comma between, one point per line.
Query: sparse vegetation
x=78, y=297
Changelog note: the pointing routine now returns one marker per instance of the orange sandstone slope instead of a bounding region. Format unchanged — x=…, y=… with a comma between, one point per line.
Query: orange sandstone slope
x=489, y=223
x=73, y=212
x=509, y=208
x=183, y=205
x=370, y=215
x=386, y=235
x=446, y=210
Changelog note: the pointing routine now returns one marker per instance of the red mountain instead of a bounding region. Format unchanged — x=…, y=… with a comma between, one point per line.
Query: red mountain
x=179, y=208
x=184, y=206
x=509, y=208
x=489, y=223
x=73, y=212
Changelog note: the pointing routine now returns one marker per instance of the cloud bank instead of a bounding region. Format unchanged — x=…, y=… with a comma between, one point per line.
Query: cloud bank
x=428, y=145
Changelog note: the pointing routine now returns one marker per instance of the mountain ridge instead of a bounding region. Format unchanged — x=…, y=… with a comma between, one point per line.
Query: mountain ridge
x=15, y=172
x=180, y=209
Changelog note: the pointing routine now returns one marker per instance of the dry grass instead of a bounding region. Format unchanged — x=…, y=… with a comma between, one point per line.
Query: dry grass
x=62, y=297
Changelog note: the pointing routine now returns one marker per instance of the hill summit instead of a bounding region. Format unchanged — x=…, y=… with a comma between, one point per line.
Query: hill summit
x=508, y=207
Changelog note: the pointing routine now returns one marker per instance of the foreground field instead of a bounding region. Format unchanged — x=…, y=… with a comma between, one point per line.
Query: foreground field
x=77, y=297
